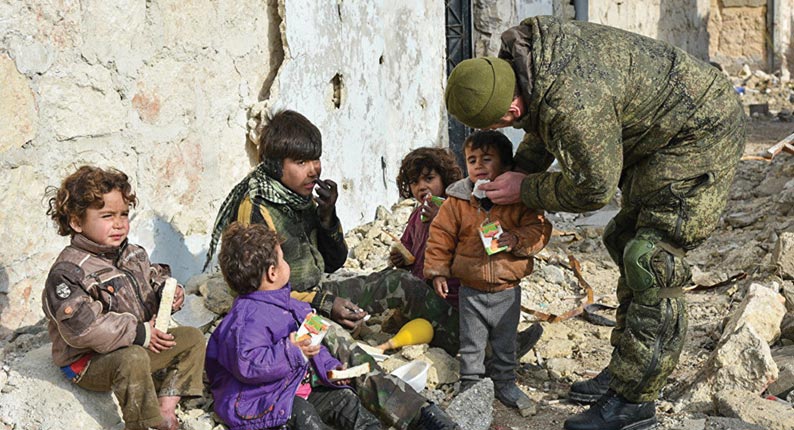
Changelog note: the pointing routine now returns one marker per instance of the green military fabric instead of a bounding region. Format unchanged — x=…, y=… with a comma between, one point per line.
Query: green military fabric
x=601, y=100
x=387, y=396
x=399, y=289
x=619, y=110
x=138, y=376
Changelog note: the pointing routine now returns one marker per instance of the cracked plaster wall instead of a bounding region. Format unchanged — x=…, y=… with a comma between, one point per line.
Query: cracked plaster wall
x=161, y=89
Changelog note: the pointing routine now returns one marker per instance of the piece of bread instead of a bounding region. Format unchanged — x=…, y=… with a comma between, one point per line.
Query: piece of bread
x=166, y=303
x=350, y=373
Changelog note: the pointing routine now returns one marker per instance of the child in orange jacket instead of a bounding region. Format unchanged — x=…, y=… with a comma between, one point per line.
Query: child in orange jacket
x=489, y=248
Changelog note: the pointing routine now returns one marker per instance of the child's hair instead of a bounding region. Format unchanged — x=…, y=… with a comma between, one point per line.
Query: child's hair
x=290, y=135
x=427, y=159
x=84, y=189
x=492, y=139
x=247, y=252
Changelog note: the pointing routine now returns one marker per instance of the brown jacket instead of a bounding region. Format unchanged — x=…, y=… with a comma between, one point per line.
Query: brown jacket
x=99, y=298
x=455, y=250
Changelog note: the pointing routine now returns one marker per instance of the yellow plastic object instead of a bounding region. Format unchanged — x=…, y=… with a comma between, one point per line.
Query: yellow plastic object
x=415, y=332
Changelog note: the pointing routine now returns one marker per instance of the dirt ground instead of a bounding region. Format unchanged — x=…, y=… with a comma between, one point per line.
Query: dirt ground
x=734, y=247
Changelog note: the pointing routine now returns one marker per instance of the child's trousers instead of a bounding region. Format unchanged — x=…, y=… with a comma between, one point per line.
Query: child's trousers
x=128, y=372
x=489, y=318
x=338, y=407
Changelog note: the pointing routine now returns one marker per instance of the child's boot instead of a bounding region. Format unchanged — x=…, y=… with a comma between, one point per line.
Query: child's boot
x=511, y=396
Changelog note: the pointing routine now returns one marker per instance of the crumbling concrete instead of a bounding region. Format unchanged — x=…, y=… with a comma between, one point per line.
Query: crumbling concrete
x=754, y=409
x=783, y=255
x=762, y=309
x=472, y=409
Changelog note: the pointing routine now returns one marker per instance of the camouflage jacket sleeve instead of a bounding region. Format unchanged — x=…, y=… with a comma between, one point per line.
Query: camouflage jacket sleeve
x=532, y=156
x=81, y=320
x=581, y=130
x=332, y=246
x=533, y=233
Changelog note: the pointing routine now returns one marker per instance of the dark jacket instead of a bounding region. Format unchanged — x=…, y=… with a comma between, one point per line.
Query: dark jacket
x=100, y=298
x=454, y=248
x=253, y=368
x=602, y=100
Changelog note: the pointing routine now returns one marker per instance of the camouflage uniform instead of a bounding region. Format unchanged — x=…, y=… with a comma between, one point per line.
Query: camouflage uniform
x=616, y=109
x=400, y=289
x=387, y=396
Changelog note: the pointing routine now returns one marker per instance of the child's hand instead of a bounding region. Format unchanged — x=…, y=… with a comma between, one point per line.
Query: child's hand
x=508, y=239
x=305, y=345
x=396, y=258
x=327, y=194
x=179, y=298
x=159, y=341
x=429, y=209
x=342, y=366
x=440, y=285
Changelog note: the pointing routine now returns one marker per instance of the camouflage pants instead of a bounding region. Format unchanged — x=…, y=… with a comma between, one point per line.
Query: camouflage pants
x=399, y=289
x=387, y=396
x=670, y=204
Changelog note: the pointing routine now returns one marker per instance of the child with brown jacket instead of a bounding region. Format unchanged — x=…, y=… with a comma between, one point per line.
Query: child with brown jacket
x=101, y=297
x=489, y=248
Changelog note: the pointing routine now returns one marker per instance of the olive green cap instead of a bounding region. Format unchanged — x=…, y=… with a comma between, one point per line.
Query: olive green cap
x=480, y=90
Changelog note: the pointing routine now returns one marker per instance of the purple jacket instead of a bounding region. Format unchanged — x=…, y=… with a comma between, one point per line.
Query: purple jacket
x=252, y=367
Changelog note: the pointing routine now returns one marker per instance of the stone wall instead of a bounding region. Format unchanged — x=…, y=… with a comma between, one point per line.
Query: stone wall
x=162, y=89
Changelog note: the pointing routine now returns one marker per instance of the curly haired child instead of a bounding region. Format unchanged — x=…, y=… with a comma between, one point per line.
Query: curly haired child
x=101, y=297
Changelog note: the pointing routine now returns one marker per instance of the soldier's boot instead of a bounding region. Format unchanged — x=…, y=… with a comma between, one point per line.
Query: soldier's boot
x=613, y=412
x=431, y=417
x=511, y=396
x=590, y=390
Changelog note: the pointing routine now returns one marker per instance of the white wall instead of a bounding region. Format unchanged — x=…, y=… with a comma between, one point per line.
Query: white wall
x=161, y=89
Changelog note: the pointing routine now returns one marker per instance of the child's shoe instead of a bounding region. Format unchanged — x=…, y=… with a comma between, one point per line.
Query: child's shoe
x=511, y=396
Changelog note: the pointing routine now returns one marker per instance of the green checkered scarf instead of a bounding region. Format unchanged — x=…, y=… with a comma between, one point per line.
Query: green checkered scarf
x=259, y=184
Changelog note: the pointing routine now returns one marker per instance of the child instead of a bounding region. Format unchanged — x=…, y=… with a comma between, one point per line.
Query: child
x=489, y=300
x=424, y=173
x=101, y=297
x=260, y=375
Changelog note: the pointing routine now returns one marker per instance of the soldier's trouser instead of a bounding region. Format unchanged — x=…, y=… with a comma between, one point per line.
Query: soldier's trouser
x=386, y=396
x=128, y=372
x=488, y=318
x=399, y=289
x=671, y=204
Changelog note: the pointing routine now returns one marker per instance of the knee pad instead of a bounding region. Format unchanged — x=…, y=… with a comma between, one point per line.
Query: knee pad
x=649, y=264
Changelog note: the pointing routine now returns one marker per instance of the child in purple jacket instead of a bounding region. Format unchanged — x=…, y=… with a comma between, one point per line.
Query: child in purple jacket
x=260, y=375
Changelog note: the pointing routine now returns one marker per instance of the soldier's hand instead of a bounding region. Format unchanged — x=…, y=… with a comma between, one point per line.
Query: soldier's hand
x=346, y=313
x=305, y=345
x=504, y=189
x=159, y=341
x=440, y=285
x=396, y=258
x=327, y=194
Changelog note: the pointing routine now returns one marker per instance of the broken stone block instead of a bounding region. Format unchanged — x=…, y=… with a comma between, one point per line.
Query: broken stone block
x=723, y=423
x=784, y=359
x=444, y=368
x=754, y=409
x=473, y=408
x=217, y=296
x=194, y=314
x=788, y=293
x=783, y=255
x=741, y=360
x=787, y=328
x=562, y=368
x=763, y=309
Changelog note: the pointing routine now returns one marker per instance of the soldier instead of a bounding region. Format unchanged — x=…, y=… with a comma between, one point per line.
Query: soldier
x=616, y=110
